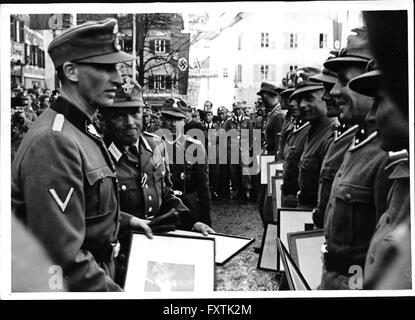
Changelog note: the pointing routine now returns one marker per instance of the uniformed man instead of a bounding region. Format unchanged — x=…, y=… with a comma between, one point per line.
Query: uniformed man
x=142, y=168
x=223, y=176
x=287, y=124
x=242, y=126
x=147, y=112
x=210, y=142
x=344, y=133
x=358, y=194
x=188, y=162
x=388, y=261
x=19, y=126
x=64, y=184
x=313, y=109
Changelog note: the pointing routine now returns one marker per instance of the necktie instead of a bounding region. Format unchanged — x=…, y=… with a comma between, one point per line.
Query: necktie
x=133, y=150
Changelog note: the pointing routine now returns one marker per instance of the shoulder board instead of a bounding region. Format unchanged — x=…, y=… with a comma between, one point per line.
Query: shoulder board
x=190, y=139
x=58, y=122
x=152, y=135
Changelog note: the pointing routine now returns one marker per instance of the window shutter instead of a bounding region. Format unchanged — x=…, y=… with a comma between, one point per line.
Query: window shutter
x=257, y=72
x=152, y=46
x=167, y=46
x=21, y=31
x=27, y=53
x=12, y=28
x=272, y=72
x=151, y=82
x=168, y=82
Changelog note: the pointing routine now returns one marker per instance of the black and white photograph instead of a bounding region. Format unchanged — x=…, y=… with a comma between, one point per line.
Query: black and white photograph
x=147, y=149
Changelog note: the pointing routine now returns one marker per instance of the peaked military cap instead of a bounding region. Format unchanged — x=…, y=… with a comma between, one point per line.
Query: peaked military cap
x=303, y=84
x=128, y=95
x=357, y=50
x=90, y=42
x=327, y=75
x=267, y=87
x=172, y=107
x=367, y=83
x=222, y=110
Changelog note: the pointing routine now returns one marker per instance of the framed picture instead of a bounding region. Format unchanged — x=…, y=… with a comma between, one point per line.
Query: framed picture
x=169, y=263
x=274, y=169
x=292, y=220
x=268, y=255
x=264, y=161
x=305, y=250
x=226, y=246
x=276, y=195
x=295, y=278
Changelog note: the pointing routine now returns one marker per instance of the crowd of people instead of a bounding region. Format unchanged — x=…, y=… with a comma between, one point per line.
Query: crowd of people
x=106, y=163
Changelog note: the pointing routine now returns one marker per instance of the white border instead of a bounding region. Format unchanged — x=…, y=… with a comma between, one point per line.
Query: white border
x=7, y=9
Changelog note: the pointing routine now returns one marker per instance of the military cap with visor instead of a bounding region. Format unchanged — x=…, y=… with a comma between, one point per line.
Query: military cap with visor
x=128, y=95
x=367, y=83
x=90, y=42
x=267, y=87
x=327, y=76
x=357, y=51
x=222, y=110
x=303, y=84
x=172, y=108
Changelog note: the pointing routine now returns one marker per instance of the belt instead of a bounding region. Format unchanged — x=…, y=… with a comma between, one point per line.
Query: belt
x=104, y=253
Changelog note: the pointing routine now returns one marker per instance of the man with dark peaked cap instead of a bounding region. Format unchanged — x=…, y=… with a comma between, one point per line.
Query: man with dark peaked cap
x=141, y=162
x=388, y=261
x=344, y=133
x=190, y=176
x=223, y=168
x=64, y=185
x=313, y=109
x=360, y=186
x=287, y=124
x=293, y=148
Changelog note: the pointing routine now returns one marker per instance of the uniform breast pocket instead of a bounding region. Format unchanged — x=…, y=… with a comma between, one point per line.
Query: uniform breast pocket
x=100, y=196
x=159, y=175
x=128, y=195
x=353, y=220
x=309, y=173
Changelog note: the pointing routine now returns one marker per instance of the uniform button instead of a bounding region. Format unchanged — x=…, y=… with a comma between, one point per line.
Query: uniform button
x=123, y=187
x=163, y=173
x=150, y=209
x=388, y=220
x=348, y=197
x=146, y=186
x=116, y=180
x=149, y=198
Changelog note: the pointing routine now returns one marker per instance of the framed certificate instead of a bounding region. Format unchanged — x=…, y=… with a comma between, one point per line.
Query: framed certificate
x=226, y=246
x=276, y=195
x=295, y=278
x=292, y=220
x=264, y=159
x=274, y=169
x=268, y=255
x=305, y=250
x=169, y=263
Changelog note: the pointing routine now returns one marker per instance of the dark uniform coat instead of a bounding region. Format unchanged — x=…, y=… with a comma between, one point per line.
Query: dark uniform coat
x=388, y=261
x=357, y=200
x=315, y=148
x=331, y=163
x=273, y=128
x=64, y=189
x=191, y=180
x=286, y=129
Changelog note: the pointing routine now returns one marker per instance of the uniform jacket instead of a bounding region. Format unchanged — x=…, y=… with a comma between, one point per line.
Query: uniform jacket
x=286, y=129
x=331, y=163
x=64, y=189
x=389, y=253
x=315, y=149
x=292, y=153
x=357, y=200
x=273, y=128
x=191, y=179
x=145, y=187
x=234, y=142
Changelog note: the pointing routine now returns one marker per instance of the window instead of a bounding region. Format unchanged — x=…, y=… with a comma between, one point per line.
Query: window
x=160, y=82
x=160, y=46
x=293, y=40
x=264, y=72
x=264, y=40
x=322, y=44
x=238, y=73
x=240, y=42
x=225, y=72
x=293, y=68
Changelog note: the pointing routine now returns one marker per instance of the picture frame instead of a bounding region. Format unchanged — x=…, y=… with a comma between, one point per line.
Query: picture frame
x=274, y=169
x=226, y=246
x=264, y=159
x=292, y=220
x=170, y=263
x=276, y=195
x=268, y=256
x=295, y=278
x=305, y=250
